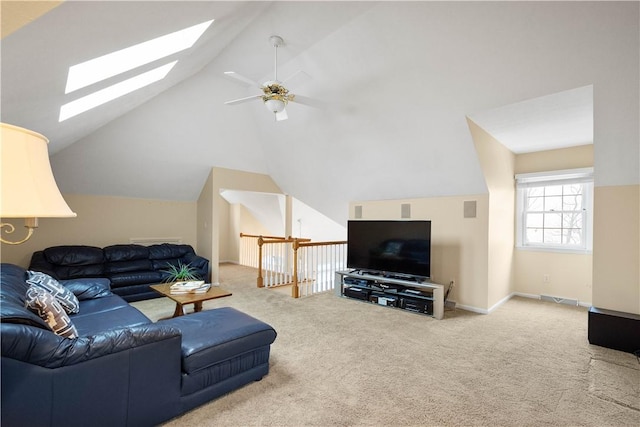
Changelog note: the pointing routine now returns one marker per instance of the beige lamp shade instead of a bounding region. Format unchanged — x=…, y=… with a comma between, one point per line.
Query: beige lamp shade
x=29, y=189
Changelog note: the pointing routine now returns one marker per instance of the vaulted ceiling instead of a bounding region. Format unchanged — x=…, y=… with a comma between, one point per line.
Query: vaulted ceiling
x=397, y=80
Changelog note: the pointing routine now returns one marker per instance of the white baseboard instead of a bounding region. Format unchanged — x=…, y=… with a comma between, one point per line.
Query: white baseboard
x=472, y=309
x=586, y=304
x=507, y=298
x=520, y=294
x=485, y=311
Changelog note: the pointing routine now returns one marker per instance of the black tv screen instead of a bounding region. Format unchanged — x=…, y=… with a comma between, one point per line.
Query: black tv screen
x=390, y=247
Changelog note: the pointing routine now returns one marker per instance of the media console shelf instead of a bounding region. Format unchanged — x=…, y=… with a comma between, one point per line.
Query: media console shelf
x=413, y=295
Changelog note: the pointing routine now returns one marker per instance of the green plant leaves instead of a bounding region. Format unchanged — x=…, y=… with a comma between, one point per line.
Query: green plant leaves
x=181, y=272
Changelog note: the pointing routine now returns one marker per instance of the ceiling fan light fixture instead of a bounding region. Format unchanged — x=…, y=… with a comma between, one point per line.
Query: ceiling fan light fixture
x=274, y=105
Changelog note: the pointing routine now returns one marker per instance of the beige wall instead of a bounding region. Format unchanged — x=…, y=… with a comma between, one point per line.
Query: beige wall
x=240, y=221
x=16, y=14
x=616, y=248
x=213, y=209
x=104, y=221
x=205, y=221
x=497, y=163
x=458, y=244
x=227, y=242
x=249, y=224
x=553, y=160
x=569, y=275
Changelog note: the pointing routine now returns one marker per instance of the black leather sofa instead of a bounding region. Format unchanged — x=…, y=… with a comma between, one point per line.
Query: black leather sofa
x=122, y=369
x=130, y=268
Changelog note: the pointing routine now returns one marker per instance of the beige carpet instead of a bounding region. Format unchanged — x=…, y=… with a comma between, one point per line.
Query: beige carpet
x=342, y=362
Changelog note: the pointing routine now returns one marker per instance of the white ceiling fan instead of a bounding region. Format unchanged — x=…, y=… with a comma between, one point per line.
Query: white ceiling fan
x=274, y=95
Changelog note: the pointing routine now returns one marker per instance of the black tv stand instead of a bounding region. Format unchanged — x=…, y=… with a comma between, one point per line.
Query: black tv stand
x=408, y=293
x=367, y=272
x=386, y=275
x=407, y=278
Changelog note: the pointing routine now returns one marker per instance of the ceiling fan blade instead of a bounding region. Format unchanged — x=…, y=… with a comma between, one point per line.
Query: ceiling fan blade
x=243, y=79
x=241, y=100
x=307, y=101
x=282, y=115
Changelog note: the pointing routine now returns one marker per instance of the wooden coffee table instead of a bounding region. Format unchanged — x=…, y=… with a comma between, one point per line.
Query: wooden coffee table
x=191, y=298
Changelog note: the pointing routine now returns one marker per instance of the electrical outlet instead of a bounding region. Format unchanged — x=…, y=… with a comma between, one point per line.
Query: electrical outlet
x=545, y=278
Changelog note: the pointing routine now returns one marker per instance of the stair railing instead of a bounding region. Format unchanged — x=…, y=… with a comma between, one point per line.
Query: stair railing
x=315, y=264
x=249, y=248
x=307, y=266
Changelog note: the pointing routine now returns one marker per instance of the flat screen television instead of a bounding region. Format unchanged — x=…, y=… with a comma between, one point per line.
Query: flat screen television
x=401, y=248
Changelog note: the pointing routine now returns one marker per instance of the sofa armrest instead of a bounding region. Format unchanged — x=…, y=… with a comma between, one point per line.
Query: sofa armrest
x=201, y=264
x=44, y=348
x=111, y=379
x=85, y=289
x=87, y=348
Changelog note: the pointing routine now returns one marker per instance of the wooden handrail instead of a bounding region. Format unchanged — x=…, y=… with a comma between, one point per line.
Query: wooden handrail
x=264, y=237
x=266, y=241
x=337, y=242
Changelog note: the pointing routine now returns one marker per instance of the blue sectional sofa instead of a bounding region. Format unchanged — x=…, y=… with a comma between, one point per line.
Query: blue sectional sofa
x=121, y=369
x=130, y=268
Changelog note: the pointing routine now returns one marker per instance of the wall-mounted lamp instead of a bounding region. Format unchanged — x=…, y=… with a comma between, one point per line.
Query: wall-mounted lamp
x=29, y=190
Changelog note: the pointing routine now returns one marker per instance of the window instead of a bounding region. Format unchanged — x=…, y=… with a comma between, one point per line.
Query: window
x=116, y=63
x=555, y=210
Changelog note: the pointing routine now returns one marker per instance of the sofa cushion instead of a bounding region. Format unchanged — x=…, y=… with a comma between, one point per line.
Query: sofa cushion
x=164, y=265
x=134, y=278
x=128, y=266
x=51, y=311
x=72, y=261
x=92, y=307
x=103, y=314
x=66, y=272
x=85, y=289
x=74, y=255
x=64, y=296
x=232, y=333
x=168, y=251
x=115, y=253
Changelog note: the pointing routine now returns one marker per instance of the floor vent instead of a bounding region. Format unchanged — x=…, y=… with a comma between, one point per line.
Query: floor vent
x=559, y=300
x=146, y=241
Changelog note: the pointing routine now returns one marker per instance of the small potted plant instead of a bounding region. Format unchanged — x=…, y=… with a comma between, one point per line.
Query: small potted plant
x=180, y=273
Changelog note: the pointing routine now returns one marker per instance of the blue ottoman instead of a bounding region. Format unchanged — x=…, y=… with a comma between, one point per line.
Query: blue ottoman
x=222, y=350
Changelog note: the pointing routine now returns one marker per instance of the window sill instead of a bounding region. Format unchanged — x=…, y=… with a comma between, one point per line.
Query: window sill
x=555, y=250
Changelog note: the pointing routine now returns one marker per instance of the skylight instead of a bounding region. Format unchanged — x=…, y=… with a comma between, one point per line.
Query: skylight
x=109, y=65
x=115, y=63
x=117, y=90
